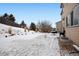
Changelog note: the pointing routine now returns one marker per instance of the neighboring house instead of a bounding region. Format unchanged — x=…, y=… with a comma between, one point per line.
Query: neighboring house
x=70, y=20
x=59, y=26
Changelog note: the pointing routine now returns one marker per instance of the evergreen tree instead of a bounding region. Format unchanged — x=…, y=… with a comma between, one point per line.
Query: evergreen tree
x=8, y=20
x=12, y=18
x=32, y=26
x=1, y=19
x=22, y=24
x=5, y=15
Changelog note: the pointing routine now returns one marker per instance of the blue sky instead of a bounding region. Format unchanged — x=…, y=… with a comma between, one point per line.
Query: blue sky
x=30, y=12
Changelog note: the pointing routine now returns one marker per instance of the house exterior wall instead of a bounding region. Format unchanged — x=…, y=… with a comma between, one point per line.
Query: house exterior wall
x=59, y=26
x=73, y=34
x=72, y=31
x=67, y=8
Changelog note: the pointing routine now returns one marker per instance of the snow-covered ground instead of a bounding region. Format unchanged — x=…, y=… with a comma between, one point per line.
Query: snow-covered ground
x=27, y=44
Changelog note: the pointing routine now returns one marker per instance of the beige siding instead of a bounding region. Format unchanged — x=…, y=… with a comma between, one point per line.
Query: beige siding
x=68, y=7
x=73, y=31
x=59, y=26
x=73, y=34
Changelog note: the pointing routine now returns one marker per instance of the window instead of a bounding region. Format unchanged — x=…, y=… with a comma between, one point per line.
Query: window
x=71, y=18
x=76, y=16
x=66, y=21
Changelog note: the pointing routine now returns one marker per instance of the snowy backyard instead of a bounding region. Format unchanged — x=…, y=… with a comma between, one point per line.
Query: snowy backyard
x=32, y=43
x=28, y=44
x=36, y=29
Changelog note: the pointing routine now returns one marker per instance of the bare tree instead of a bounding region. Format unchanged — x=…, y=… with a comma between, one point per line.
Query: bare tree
x=44, y=26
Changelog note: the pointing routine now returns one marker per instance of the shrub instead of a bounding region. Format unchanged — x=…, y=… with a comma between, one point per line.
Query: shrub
x=25, y=29
x=10, y=30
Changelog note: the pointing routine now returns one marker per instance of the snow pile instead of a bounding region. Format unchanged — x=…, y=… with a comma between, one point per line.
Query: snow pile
x=15, y=30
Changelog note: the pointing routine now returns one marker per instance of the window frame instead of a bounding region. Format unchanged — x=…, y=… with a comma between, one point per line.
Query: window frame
x=72, y=18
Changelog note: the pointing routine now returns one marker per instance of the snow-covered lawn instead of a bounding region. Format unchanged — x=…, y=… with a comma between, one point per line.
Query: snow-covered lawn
x=29, y=44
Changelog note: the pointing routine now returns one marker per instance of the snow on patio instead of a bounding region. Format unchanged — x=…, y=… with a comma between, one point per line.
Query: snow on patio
x=37, y=44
